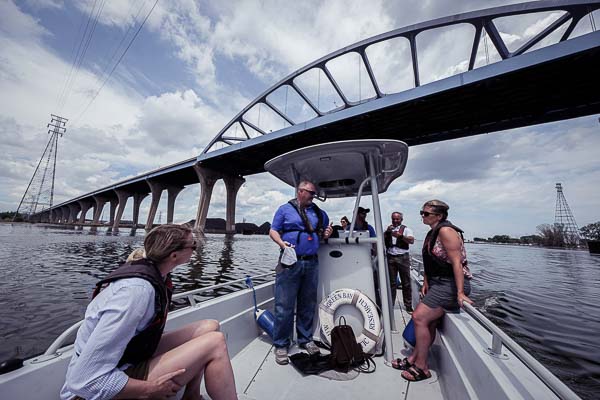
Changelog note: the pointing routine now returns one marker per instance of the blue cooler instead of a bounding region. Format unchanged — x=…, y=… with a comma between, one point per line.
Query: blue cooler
x=265, y=320
x=409, y=333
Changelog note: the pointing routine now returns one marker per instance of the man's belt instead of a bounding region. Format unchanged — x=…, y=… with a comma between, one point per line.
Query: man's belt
x=309, y=257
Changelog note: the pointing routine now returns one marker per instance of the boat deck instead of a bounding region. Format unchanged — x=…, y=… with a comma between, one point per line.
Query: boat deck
x=258, y=376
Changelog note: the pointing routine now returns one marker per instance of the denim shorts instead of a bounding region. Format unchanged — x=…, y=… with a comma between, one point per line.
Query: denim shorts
x=442, y=293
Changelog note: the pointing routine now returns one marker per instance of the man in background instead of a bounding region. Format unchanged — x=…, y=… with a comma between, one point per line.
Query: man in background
x=397, y=239
x=361, y=222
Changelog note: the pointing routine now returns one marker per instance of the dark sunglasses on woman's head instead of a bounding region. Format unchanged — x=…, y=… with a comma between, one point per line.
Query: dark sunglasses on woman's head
x=427, y=214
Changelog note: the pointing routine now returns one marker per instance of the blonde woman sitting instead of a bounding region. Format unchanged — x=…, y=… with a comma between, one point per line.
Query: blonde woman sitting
x=121, y=351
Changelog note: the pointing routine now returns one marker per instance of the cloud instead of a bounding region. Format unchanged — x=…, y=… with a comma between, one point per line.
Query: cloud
x=16, y=24
x=150, y=115
x=42, y=4
x=121, y=14
x=172, y=119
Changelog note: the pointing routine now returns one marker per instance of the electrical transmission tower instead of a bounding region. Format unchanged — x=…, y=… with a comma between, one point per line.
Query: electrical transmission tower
x=563, y=217
x=39, y=194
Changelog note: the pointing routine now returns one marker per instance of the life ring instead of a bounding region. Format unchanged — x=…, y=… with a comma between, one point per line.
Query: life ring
x=371, y=326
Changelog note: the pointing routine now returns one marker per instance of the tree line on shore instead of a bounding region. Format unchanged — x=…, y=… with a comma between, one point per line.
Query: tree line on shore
x=549, y=235
x=9, y=215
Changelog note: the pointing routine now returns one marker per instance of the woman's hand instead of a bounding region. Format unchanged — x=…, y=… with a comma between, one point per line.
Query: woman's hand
x=461, y=297
x=424, y=288
x=165, y=386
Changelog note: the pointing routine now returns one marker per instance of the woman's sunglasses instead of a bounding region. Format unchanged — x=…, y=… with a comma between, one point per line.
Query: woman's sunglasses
x=193, y=245
x=426, y=213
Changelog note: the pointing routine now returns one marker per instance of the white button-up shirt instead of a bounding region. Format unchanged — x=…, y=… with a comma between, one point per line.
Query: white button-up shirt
x=117, y=314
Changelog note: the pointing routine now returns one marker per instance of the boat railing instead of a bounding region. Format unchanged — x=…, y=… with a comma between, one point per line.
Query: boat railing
x=500, y=339
x=189, y=296
x=420, y=265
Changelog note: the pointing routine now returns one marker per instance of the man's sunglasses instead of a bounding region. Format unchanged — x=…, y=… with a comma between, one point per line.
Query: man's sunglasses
x=311, y=192
x=427, y=214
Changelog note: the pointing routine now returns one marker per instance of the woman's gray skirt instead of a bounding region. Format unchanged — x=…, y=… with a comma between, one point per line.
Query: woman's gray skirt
x=442, y=293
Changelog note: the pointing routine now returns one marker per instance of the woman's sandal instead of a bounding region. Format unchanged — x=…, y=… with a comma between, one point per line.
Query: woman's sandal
x=416, y=373
x=401, y=364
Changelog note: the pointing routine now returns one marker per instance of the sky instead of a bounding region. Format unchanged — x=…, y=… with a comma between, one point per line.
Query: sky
x=195, y=64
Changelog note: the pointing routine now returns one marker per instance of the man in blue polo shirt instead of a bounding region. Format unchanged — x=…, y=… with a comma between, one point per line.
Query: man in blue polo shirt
x=299, y=224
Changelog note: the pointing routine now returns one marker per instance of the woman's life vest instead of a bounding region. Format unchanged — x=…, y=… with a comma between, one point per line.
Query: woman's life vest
x=142, y=346
x=391, y=241
x=434, y=265
x=308, y=228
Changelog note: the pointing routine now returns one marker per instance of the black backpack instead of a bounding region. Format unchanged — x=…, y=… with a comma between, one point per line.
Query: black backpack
x=346, y=353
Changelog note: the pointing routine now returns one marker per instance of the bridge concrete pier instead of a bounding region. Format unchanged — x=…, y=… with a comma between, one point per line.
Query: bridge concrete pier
x=111, y=217
x=207, y=179
x=137, y=200
x=232, y=185
x=99, y=203
x=122, y=197
x=156, y=190
x=53, y=217
x=63, y=215
x=85, y=206
x=172, y=193
x=73, y=210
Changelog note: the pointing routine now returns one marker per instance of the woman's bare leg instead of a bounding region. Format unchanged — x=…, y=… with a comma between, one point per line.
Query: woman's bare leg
x=425, y=319
x=432, y=327
x=175, y=338
x=206, y=354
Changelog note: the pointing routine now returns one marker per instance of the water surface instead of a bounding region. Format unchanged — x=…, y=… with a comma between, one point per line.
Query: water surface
x=546, y=299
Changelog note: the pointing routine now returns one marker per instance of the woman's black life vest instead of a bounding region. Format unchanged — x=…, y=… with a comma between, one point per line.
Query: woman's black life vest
x=435, y=266
x=391, y=241
x=308, y=228
x=142, y=346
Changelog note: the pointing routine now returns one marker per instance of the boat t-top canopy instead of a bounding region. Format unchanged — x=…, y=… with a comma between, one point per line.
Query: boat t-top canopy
x=339, y=168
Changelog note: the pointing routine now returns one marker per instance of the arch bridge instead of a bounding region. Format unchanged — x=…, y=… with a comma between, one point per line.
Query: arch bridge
x=390, y=86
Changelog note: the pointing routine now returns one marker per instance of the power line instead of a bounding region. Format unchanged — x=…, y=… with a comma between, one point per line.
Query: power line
x=116, y=49
x=64, y=86
x=118, y=62
x=78, y=60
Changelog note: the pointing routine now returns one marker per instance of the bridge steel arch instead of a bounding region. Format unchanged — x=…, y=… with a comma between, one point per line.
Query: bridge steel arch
x=527, y=86
x=484, y=25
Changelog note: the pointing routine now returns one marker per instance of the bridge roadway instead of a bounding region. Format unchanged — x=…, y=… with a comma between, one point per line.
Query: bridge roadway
x=553, y=83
